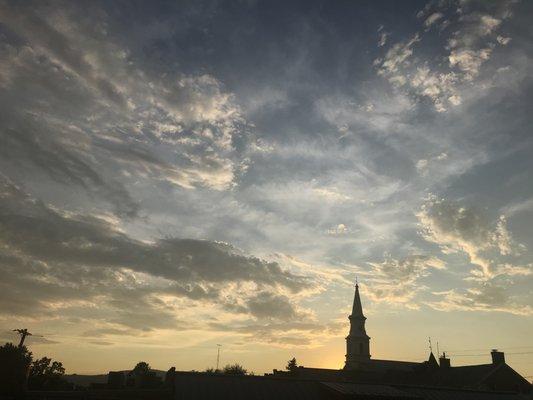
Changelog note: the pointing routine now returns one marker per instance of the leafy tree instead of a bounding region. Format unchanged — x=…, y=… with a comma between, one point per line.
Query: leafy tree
x=144, y=377
x=14, y=367
x=212, y=371
x=234, y=369
x=142, y=368
x=46, y=374
x=292, y=365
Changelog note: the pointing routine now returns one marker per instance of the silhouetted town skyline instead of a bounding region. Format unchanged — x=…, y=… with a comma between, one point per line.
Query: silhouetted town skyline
x=198, y=184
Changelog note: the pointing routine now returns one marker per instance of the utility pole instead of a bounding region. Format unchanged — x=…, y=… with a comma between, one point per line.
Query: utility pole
x=23, y=333
x=218, y=355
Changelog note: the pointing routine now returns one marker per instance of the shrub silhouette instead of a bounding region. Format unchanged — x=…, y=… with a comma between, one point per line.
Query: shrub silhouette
x=234, y=369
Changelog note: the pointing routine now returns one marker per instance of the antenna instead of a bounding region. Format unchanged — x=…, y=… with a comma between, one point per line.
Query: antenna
x=430, y=345
x=356, y=283
x=218, y=354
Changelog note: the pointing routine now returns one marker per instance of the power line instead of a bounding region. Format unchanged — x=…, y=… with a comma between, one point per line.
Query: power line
x=498, y=347
x=485, y=354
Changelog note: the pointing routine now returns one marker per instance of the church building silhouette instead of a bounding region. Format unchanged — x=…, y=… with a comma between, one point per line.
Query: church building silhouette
x=361, y=367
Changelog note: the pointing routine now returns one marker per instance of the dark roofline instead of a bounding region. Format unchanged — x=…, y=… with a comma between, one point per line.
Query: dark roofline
x=321, y=369
x=449, y=389
x=398, y=361
x=494, y=368
x=394, y=385
x=505, y=365
x=283, y=377
x=250, y=377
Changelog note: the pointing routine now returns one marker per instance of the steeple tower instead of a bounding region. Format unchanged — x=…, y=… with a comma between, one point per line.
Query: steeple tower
x=357, y=341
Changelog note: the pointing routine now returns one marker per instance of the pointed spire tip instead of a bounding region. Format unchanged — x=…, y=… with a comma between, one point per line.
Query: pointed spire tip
x=357, y=308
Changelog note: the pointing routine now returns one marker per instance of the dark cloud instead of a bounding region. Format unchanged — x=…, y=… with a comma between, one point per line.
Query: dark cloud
x=269, y=305
x=29, y=24
x=457, y=228
x=74, y=258
x=23, y=142
x=495, y=295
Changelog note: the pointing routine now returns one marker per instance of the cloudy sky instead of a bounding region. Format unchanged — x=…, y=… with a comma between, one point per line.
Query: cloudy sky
x=175, y=175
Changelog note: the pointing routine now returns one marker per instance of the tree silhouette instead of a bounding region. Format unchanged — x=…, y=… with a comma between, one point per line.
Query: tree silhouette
x=14, y=368
x=234, y=369
x=144, y=377
x=142, y=368
x=292, y=365
x=46, y=374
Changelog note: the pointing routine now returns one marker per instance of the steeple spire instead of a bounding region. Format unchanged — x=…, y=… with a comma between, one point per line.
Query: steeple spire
x=357, y=308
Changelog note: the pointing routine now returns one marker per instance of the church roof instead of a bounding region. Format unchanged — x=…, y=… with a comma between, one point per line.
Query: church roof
x=358, y=390
x=385, y=365
x=432, y=361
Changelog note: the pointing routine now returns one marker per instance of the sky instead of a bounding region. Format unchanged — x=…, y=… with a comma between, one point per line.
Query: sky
x=177, y=175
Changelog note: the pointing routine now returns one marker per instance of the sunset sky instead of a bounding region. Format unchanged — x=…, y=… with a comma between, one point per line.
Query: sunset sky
x=177, y=175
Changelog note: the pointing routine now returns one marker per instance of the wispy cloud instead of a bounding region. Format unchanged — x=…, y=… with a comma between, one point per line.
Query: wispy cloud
x=397, y=281
x=456, y=228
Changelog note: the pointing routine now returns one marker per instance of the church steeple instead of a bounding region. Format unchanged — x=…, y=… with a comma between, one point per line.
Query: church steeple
x=357, y=341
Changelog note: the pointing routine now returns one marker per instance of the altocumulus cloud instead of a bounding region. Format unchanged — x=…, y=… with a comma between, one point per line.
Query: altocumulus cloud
x=471, y=35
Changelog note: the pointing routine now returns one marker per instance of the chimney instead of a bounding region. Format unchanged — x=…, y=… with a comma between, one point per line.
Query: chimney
x=498, y=357
x=443, y=361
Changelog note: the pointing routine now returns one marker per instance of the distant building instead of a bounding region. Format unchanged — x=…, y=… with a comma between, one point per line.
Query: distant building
x=116, y=380
x=360, y=367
